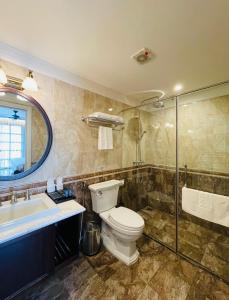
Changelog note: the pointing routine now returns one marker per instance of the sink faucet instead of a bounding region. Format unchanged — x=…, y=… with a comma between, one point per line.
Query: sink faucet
x=13, y=198
x=27, y=195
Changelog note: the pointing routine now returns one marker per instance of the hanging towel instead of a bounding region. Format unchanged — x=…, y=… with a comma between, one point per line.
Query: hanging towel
x=207, y=206
x=105, y=139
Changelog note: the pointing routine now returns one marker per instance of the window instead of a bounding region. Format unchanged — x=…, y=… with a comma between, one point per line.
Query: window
x=12, y=145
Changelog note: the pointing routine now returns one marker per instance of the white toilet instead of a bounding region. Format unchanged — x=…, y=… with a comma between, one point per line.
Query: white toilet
x=121, y=227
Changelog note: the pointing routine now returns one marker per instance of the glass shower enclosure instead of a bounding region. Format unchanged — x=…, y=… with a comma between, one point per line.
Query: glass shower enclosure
x=180, y=148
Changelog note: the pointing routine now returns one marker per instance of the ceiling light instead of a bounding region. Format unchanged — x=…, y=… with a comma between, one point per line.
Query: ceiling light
x=3, y=78
x=29, y=83
x=178, y=87
x=110, y=109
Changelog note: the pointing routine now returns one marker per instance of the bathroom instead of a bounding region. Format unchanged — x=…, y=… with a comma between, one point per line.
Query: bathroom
x=120, y=120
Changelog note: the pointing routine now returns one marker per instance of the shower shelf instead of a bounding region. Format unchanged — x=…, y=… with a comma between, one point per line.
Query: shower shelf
x=96, y=122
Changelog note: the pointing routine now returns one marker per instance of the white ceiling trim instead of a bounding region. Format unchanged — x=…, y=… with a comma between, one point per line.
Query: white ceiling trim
x=26, y=60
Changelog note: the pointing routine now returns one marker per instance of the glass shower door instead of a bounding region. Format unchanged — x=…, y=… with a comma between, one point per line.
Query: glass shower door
x=203, y=191
x=157, y=139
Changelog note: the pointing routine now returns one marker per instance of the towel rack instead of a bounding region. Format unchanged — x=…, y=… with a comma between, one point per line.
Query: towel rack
x=96, y=122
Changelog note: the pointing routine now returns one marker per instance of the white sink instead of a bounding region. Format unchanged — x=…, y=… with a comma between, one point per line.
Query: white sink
x=13, y=215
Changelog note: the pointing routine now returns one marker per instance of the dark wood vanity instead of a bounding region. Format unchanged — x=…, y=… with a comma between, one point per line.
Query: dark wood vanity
x=28, y=259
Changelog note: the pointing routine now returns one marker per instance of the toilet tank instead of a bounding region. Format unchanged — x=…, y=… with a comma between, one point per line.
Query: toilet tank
x=104, y=195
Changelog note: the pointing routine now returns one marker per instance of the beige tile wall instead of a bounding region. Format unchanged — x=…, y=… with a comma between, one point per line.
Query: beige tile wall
x=74, y=149
x=203, y=135
x=203, y=132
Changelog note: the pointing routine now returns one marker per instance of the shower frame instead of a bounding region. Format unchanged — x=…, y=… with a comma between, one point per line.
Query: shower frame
x=176, y=249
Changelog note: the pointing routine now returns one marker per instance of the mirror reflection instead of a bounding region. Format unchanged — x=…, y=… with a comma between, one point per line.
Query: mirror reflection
x=23, y=134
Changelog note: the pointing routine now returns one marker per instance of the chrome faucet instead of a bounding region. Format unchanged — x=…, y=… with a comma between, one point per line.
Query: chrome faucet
x=27, y=195
x=13, y=198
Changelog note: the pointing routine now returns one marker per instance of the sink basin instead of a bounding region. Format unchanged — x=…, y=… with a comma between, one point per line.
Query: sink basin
x=26, y=211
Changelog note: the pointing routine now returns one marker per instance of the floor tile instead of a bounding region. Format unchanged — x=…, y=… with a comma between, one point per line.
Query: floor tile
x=159, y=274
x=173, y=279
x=203, y=245
x=205, y=286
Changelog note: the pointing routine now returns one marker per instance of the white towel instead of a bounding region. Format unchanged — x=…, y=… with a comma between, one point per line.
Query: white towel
x=189, y=200
x=105, y=138
x=207, y=206
x=107, y=117
x=221, y=209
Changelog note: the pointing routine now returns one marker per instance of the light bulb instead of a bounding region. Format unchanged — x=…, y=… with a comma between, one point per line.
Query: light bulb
x=178, y=87
x=29, y=83
x=3, y=78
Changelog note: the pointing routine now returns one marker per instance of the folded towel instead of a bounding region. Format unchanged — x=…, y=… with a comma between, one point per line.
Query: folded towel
x=220, y=209
x=105, y=138
x=189, y=200
x=107, y=117
x=207, y=206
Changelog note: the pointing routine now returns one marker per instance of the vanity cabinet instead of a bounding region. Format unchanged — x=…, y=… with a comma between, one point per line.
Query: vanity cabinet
x=28, y=259
x=67, y=239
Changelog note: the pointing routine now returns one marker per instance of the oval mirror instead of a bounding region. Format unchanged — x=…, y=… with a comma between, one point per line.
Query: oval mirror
x=25, y=134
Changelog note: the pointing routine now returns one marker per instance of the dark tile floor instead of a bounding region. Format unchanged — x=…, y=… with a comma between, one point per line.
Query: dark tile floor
x=205, y=246
x=159, y=274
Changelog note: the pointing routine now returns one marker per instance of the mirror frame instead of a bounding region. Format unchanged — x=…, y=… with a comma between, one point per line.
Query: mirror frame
x=49, y=129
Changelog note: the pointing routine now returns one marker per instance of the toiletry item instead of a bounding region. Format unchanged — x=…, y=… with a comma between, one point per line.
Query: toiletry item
x=51, y=187
x=105, y=138
x=59, y=183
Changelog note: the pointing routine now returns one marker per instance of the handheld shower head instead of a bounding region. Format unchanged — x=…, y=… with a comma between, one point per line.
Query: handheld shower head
x=141, y=136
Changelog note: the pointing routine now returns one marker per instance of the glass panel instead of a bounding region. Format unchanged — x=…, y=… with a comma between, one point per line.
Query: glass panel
x=4, y=128
x=4, y=154
x=4, y=164
x=16, y=129
x=15, y=154
x=203, y=137
x=150, y=144
x=16, y=146
x=16, y=138
x=4, y=137
x=4, y=146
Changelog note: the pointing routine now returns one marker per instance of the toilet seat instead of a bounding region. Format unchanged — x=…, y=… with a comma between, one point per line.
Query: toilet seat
x=126, y=219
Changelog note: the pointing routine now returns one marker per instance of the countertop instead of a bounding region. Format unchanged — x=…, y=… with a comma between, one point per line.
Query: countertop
x=67, y=209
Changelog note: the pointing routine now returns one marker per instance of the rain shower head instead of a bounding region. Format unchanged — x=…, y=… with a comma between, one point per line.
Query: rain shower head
x=158, y=104
x=155, y=101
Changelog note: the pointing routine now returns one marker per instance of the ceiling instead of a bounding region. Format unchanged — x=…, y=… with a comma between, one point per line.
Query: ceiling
x=95, y=40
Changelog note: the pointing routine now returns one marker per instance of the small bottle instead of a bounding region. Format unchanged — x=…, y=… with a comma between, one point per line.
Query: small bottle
x=51, y=187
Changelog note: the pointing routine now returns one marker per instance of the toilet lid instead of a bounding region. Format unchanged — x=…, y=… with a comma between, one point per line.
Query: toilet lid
x=126, y=218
